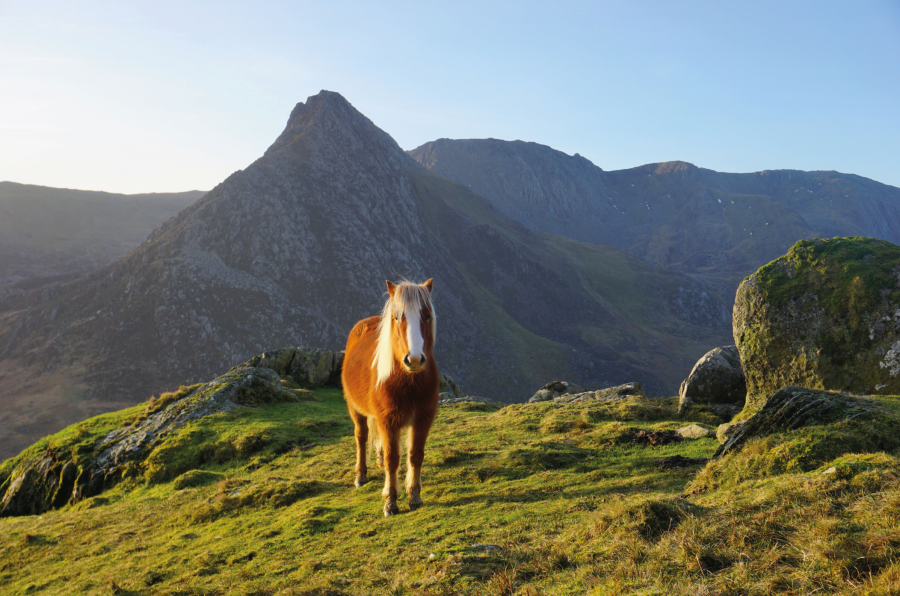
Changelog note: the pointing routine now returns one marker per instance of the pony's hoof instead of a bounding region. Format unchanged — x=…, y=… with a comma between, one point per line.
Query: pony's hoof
x=360, y=481
x=415, y=503
x=391, y=509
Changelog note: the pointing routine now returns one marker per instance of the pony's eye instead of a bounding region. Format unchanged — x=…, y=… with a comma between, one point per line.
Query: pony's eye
x=427, y=317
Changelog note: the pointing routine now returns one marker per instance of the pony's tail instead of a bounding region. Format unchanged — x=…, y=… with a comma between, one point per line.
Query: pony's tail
x=375, y=441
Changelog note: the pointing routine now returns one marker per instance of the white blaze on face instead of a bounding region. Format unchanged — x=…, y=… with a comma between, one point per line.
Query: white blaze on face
x=414, y=339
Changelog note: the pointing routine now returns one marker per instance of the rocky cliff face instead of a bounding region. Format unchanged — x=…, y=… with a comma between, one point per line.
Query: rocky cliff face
x=824, y=316
x=718, y=227
x=295, y=249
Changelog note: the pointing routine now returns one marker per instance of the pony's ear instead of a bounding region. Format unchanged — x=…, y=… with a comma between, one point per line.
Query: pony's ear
x=428, y=284
x=391, y=287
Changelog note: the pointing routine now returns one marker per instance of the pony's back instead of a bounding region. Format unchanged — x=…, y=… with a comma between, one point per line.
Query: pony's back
x=357, y=375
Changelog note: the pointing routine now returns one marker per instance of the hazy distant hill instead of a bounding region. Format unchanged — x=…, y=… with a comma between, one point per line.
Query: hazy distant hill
x=295, y=249
x=718, y=226
x=56, y=231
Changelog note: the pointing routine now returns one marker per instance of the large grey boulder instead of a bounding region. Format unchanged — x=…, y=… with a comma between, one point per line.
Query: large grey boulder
x=716, y=379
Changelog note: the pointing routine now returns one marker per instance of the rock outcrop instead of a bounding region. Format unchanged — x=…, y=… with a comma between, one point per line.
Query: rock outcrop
x=717, y=379
x=609, y=394
x=309, y=367
x=554, y=389
x=826, y=315
x=54, y=477
x=793, y=407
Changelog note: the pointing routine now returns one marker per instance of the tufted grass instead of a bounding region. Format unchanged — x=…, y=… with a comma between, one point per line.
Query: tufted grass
x=573, y=505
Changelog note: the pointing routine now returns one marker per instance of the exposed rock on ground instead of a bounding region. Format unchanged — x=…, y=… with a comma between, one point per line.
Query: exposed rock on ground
x=695, y=431
x=609, y=394
x=716, y=379
x=793, y=407
x=825, y=315
x=446, y=401
x=448, y=387
x=309, y=367
x=554, y=389
x=726, y=431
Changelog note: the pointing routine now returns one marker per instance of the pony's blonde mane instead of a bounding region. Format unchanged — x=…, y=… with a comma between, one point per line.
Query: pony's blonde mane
x=407, y=296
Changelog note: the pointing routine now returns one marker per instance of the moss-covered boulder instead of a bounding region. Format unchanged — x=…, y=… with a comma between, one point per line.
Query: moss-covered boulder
x=826, y=316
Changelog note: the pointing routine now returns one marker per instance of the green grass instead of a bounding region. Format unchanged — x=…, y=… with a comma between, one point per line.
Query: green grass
x=573, y=504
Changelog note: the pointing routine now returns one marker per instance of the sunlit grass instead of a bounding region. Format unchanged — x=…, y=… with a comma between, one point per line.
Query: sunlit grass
x=527, y=499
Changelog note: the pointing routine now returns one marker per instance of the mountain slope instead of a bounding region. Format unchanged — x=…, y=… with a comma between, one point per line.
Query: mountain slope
x=55, y=231
x=718, y=226
x=295, y=249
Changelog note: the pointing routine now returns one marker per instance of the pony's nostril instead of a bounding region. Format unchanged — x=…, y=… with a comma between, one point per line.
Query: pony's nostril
x=422, y=360
x=406, y=360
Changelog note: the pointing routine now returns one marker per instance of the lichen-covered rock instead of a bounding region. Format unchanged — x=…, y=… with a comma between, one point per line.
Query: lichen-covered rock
x=609, y=394
x=50, y=479
x=694, y=431
x=554, y=389
x=726, y=431
x=309, y=367
x=793, y=407
x=826, y=315
x=717, y=378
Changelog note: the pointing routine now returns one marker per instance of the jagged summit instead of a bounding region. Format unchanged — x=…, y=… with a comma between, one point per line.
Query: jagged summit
x=327, y=127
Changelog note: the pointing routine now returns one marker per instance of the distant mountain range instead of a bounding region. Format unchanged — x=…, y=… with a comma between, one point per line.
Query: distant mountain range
x=51, y=232
x=295, y=248
x=716, y=227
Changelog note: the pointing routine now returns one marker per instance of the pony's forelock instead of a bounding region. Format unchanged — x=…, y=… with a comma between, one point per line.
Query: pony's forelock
x=407, y=296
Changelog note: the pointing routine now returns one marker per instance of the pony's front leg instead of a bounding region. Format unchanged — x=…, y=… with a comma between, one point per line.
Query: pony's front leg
x=361, y=432
x=391, y=445
x=417, y=437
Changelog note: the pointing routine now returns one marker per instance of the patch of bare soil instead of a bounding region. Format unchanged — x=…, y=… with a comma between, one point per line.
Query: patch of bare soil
x=674, y=462
x=655, y=437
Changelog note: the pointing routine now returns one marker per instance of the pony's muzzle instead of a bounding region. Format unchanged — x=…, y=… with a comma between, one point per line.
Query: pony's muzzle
x=414, y=363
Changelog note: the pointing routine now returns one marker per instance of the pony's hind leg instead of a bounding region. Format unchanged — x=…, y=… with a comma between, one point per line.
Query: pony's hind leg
x=375, y=438
x=390, y=439
x=417, y=437
x=361, y=432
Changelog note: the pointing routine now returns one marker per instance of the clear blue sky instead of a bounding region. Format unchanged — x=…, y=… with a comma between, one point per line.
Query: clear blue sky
x=164, y=96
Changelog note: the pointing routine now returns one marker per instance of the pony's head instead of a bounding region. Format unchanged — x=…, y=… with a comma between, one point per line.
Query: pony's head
x=407, y=329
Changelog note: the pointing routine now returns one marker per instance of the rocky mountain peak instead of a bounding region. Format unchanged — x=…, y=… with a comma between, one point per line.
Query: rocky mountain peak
x=328, y=126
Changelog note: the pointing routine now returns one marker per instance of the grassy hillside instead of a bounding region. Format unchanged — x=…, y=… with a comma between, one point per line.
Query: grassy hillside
x=525, y=499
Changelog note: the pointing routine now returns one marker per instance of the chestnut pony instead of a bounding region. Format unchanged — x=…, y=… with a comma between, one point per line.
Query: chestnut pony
x=390, y=382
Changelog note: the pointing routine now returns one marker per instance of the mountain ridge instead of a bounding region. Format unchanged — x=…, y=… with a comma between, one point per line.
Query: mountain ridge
x=675, y=214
